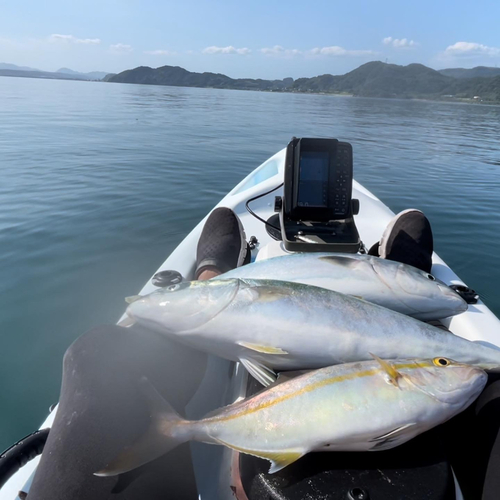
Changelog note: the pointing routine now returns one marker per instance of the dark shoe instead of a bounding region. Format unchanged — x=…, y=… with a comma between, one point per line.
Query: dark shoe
x=407, y=239
x=222, y=245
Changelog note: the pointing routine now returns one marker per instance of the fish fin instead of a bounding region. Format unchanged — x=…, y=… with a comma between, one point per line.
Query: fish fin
x=264, y=292
x=392, y=374
x=262, y=373
x=126, y=322
x=265, y=349
x=286, y=376
x=158, y=439
x=389, y=439
x=132, y=298
x=279, y=459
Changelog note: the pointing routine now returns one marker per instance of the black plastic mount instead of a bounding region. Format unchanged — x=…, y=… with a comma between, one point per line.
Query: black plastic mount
x=166, y=278
x=468, y=294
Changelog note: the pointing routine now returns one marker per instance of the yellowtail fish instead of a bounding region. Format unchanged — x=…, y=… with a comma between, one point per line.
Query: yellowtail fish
x=390, y=284
x=276, y=325
x=366, y=406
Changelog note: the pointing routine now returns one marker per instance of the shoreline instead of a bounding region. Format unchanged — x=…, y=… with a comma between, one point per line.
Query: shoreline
x=455, y=100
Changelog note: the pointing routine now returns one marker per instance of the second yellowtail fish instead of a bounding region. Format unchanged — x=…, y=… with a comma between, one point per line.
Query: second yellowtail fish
x=370, y=405
x=277, y=325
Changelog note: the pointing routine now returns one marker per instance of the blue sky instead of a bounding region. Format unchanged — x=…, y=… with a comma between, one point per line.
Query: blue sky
x=266, y=39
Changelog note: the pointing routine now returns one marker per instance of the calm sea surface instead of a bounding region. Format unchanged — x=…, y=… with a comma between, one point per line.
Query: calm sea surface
x=99, y=182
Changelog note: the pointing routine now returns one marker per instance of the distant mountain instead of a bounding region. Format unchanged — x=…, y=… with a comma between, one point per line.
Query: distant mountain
x=67, y=70
x=373, y=79
x=378, y=79
x=16, y=68
x=39, y=74
x=485, y=89
x=478, y=71
x=61, y=74
x=176, y=76
x=93, y=75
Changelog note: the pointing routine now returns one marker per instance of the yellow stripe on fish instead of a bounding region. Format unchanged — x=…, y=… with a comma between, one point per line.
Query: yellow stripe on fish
x=316, y=385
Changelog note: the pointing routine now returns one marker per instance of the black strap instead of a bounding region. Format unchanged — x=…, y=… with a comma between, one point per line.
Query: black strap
x=19, y=454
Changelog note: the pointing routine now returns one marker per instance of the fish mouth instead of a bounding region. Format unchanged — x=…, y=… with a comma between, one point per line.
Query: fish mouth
x=187, y=312
x=489, y=367
x=447, y=303
x=458, y=302
x=471, y=379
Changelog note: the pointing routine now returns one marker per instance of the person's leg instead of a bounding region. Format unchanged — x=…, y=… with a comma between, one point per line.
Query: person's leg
x=488, y=421
x=473, y=444
x=208, y=274
x=101, y=410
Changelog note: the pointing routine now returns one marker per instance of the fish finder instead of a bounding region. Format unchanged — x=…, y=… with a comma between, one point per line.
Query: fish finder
x=316, y=210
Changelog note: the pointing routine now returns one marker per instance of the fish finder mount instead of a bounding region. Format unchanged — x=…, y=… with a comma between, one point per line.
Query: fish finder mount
x=316, y=211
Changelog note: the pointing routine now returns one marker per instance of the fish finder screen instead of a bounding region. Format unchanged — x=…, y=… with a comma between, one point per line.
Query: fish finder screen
x=313, y=179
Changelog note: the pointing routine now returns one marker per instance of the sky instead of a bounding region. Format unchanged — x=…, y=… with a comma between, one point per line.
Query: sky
x=255, y=39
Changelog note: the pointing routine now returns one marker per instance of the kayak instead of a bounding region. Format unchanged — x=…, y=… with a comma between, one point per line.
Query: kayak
x=233, y=475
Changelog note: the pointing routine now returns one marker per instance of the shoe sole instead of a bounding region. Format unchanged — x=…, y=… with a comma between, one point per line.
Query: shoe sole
x=243, y=247
x=388, y=230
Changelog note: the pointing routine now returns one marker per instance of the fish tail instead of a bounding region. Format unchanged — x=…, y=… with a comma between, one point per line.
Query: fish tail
x=162, y=435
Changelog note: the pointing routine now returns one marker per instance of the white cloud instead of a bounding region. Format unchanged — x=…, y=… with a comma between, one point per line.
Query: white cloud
x=399, y=43
x=335, y=50
x=159, y=52
x=278, y=50
x=471, y=49
x=226, y=50
x=121, y=47
x=8, y=41
x=55, y=38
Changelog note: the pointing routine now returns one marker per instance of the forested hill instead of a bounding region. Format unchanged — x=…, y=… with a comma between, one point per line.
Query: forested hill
x=179, y=77
x=478, y=71
x=373, y=79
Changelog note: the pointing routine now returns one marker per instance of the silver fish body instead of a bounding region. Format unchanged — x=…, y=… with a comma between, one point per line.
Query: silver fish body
x=278, y=325
x=366, y=406
x=391, y=284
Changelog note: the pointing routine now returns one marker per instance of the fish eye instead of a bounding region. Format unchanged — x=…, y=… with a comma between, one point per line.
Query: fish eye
x=431, y=277
x=173, y=288
x=441, y=361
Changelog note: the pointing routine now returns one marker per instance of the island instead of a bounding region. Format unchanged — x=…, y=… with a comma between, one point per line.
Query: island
x=373, y=79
